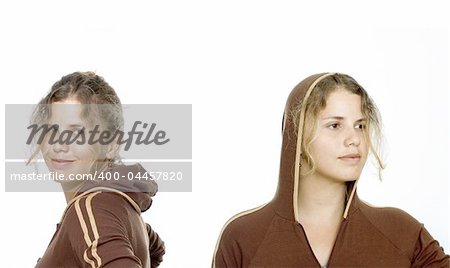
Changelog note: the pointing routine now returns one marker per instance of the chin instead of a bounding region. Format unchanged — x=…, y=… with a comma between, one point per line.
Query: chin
x=348, y=176
x=351, y=177
x=346, y=179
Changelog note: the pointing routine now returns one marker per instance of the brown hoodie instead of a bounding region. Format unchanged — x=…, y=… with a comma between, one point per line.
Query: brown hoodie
x=102, y=226
x=271, y=235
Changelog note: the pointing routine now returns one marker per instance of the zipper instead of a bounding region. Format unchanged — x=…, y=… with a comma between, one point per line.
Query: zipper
x=341, y=226
x=309, y=246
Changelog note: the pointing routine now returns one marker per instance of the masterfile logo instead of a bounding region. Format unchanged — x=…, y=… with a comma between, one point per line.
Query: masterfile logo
x=94, y=135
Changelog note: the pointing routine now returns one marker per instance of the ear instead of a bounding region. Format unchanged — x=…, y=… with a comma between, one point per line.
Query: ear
x=112, y=149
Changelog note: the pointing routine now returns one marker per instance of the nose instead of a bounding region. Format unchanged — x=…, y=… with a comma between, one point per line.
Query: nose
x=353, y=137
x=58, y=147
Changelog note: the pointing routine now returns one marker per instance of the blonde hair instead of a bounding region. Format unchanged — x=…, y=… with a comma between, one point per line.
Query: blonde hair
x=317, y=102
x=102, y=103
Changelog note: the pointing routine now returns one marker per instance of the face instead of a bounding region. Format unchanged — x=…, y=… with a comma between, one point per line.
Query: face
x=340, y=148
x=70, y=158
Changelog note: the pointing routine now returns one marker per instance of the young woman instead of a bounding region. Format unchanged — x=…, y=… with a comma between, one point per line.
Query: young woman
x=316, y=218
x=102, y=224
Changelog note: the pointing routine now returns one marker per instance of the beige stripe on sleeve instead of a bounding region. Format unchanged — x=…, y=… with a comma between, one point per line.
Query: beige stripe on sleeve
x=92, y=245
x=85, y=233
x=94, y=228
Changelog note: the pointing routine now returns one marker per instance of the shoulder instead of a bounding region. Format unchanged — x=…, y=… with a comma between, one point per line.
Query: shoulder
x=247, y=222
x=394, y=224
x=101, y=226
x=98, y=206
x=95, y=213
x=241, y=235
x=386, y=216
x=100, y=199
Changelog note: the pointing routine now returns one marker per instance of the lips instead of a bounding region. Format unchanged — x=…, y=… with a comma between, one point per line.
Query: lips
x=61, y=163
x=351, y=158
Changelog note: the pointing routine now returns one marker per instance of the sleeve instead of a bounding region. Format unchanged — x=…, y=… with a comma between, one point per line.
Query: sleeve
x=98, y=237
x=156, y=247
x=428, y=253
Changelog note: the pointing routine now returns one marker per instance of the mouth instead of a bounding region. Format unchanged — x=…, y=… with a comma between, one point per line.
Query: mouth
x=61, y=163
x=351, y=158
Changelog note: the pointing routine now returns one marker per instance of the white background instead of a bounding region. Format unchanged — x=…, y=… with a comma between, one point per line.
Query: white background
x=236, y=63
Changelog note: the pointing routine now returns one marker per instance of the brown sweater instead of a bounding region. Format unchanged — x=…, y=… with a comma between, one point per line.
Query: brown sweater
x=271, y=235
x=102, y=227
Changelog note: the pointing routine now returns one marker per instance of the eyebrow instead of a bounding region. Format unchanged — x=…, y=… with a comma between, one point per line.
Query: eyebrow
x=342, y=118
x=75, y=125
x=72, y=126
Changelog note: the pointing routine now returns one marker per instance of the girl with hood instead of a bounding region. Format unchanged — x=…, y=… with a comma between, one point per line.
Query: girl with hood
x=316, y=218
x=102, y=224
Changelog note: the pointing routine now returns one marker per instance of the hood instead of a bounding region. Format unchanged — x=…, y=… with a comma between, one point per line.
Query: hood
x=138, y=190
x=286, y=196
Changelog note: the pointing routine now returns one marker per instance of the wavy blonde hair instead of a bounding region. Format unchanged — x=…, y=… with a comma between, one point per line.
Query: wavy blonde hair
x=316, y=103
x=100, y=103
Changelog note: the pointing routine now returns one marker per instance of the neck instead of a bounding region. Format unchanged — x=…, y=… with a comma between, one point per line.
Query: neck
x=70, y=190
x=321, y=199
x=69, y=196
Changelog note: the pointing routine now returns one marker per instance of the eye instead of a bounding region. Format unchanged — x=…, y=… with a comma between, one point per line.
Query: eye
x=80, y=131
x=361, y=126
x=334, y=126
x=79, y=134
